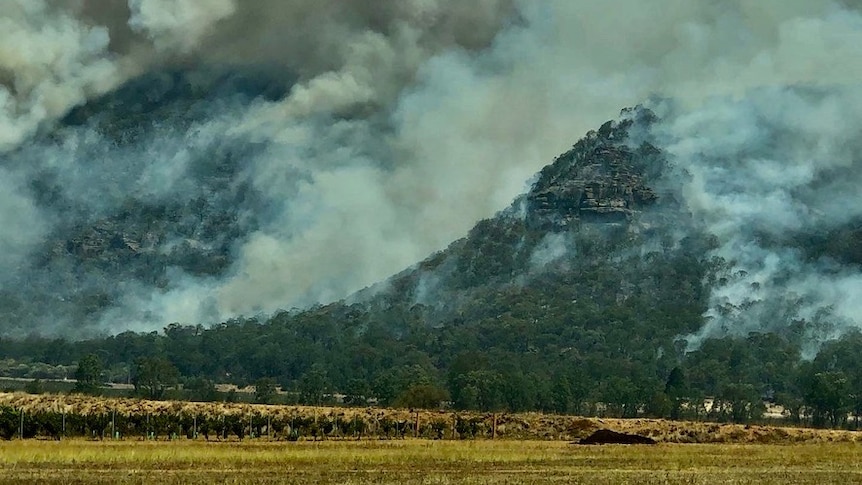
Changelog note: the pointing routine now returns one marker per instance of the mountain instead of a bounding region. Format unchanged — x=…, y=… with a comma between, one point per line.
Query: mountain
x=139, y=191
x=132, y=189
x=590, y=233
x=581, y=278
x=592, y=287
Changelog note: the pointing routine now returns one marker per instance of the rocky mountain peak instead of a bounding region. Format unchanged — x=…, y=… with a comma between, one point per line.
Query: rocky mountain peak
x=602, y=179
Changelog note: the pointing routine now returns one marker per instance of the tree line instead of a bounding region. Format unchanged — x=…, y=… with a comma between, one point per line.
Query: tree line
x=329, y=366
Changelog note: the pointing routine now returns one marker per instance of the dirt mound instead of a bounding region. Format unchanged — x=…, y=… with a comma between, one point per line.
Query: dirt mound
x=606, y=436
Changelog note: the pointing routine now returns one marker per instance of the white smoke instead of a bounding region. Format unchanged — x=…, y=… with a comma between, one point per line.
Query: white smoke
x=21, y=223
x=473, y=126
x=759, y=170
x=411, y=120
x=552, y=248
x=177, y=24
x=49, y=62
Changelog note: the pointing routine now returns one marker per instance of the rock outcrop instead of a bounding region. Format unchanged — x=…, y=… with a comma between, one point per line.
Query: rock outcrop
x=600, y=180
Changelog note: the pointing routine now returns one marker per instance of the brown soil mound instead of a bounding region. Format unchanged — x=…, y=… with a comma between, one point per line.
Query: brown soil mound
x=606, y=436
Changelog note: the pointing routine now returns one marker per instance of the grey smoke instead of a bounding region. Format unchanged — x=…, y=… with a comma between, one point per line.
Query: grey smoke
x=170, y=24
x=405, y=122
x=21, y=223
x=49, y=62
x=777, y=162
x=552, y=248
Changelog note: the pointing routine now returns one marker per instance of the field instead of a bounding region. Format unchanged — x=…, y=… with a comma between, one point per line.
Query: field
x=80, y=439
x=75, y=416
x=415, y=461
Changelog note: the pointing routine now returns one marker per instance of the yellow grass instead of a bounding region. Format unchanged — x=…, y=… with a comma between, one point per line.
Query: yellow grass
x=521, y=426
x=424, y=462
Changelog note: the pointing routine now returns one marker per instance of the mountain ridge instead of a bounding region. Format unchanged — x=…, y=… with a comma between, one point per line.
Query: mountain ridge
x=581, y=291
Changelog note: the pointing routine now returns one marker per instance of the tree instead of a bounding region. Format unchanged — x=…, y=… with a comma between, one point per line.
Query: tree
x=200, y=389
x=357, y=392
x=264, y=390
x=742, y=402
x=659, y=405
x=827, y=394
x=422, y=396
x=622, y=396
x=153, y=376
x=676, y=389
x=88, y=375
x=845, y=356
x=313, y=385
x=384, y=387
x=34, y=387
x=570, y=389
x=793, y=406
x=478, y=389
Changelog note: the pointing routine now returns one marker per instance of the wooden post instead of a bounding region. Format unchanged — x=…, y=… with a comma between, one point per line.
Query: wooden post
x=494, y=428
x=454, y=424
x=269, y=426
x=21, y=424
x=114, y=424
x=416, y=426
x=195, y=427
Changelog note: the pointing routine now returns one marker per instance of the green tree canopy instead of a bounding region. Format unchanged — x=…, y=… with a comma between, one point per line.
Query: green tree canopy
x=88, y=375
x=265, y=390
x=153, y=376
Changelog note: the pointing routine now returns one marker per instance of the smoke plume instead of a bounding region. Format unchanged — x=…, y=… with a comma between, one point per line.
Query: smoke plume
x=394, y=125
x=776, y=168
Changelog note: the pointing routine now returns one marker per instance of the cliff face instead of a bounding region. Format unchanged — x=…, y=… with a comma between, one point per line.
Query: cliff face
x=601, y=179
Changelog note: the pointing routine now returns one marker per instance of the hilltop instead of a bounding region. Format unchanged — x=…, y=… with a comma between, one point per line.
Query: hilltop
x=585, y=290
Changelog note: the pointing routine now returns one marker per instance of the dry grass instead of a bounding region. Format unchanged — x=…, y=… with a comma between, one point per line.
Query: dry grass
x=423, y=462
x=523, y=426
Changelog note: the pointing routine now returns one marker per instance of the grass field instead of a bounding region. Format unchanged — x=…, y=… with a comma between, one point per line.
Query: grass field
x=424, y=462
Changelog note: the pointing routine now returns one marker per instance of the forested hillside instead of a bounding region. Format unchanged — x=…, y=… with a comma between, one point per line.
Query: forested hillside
x=586, y=290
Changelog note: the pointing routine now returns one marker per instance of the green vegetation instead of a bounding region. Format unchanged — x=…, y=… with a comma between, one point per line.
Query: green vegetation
x=567, y=367
x=154, y=376
x=88, y=375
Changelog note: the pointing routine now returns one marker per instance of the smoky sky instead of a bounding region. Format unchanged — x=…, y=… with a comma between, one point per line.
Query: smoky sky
x=392, y=126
